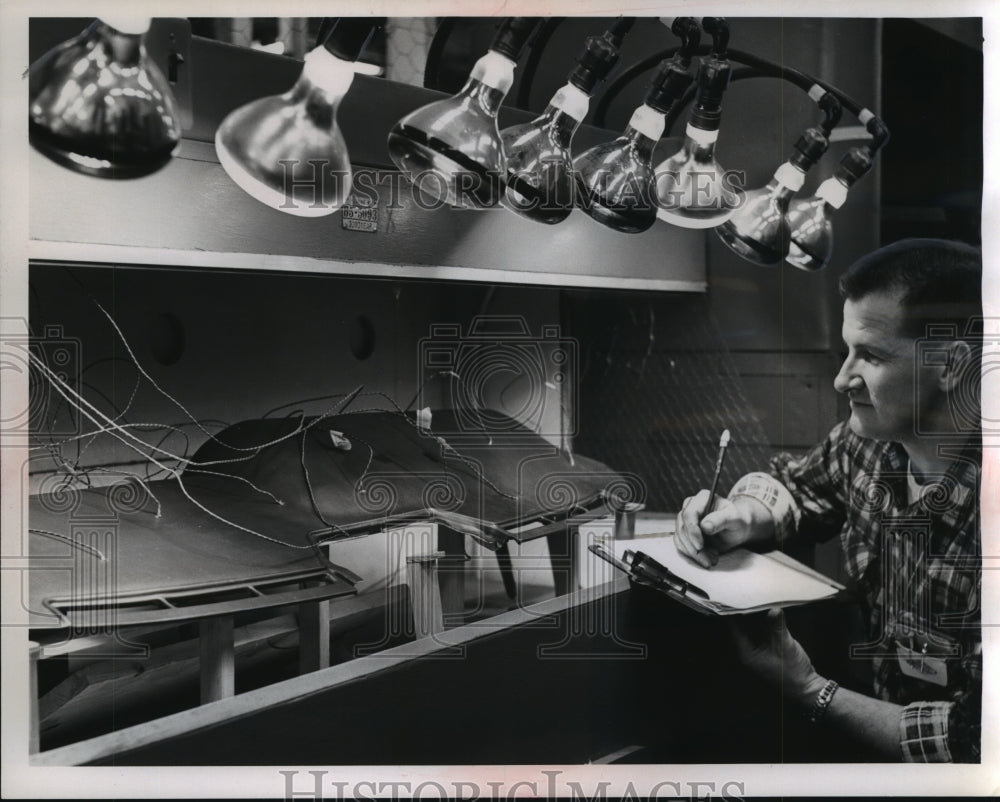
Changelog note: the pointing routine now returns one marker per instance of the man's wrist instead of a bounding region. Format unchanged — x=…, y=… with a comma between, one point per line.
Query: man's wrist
x=774, y=497
x=808, y=692
x=760, y=521
x=766, y=500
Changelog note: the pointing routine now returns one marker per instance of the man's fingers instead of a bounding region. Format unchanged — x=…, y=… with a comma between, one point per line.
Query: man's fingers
x=706, y=558
x=692, y=509
x=690, y=538
x=776, y=624
x=719, y=521
x=780, y=635
x=691, y=544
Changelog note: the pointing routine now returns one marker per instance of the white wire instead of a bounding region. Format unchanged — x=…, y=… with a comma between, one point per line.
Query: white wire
x=67, y=392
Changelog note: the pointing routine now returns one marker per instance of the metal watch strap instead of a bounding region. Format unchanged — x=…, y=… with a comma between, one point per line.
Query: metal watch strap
x=822, y=702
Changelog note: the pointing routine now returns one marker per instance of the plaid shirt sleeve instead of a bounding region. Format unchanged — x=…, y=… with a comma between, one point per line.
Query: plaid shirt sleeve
x=937, y=732
x=805, y=493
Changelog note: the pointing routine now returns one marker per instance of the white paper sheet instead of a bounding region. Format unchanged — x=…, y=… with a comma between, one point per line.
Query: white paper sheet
x=742, y=579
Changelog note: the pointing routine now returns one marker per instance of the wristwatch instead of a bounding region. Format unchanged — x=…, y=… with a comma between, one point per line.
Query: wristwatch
x=823, y=699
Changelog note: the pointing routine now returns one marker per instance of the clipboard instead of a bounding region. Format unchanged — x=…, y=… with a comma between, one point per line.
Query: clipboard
x=643, y=569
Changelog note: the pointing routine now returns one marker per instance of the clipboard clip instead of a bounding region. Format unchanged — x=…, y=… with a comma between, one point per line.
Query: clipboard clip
x=644, y=569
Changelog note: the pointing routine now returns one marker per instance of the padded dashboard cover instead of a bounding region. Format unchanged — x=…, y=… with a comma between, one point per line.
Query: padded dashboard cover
x=359, y=472
x=240, y=531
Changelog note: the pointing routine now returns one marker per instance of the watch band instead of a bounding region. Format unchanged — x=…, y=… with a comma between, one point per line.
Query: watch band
x=822, y=702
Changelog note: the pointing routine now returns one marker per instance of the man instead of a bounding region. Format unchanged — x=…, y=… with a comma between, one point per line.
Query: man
x=899, y=483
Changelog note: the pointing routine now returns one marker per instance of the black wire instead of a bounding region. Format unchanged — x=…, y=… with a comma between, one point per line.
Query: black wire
x=432, y=67
x=684, y=100
x=718, y=29
x=625, y=77
x=538, y=44
x=741, y=74
x=800, y=79
x=326, y=26
x=621, y=26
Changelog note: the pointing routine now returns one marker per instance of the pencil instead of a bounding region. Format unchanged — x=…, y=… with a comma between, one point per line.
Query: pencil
x=723, y=442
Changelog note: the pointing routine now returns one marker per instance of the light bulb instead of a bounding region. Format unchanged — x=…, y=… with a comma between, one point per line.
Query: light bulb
x=539, y=181
x=614, y=181
x=811, y=228
x=692, y=190
x=100, y=105
x=758, y=230
x=287, y=151
x=451, y=148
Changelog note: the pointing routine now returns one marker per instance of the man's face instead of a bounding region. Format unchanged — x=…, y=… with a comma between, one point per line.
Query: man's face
x=879, y=373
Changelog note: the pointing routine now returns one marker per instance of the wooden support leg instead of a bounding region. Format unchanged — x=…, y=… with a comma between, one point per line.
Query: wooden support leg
x=314, y=636
x=562, y=547
x=217, y=662
x=425, y=594
x=507, y=570
x=451, y=571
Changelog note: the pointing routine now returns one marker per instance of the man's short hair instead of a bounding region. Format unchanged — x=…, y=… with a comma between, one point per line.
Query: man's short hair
x=941, y=281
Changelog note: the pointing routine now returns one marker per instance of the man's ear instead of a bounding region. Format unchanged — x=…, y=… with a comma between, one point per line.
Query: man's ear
x=958, y=363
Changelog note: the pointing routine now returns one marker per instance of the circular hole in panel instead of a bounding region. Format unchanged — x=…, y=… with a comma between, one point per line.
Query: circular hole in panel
x=361, y=337
x=166, y=338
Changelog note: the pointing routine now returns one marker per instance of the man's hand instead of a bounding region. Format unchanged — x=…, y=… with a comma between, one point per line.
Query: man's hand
x=768, y=649
x=730, y=524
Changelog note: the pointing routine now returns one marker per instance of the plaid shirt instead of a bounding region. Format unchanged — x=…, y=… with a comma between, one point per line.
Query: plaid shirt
x=917, y=567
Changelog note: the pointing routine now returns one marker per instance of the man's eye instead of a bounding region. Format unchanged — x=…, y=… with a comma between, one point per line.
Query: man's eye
x=868, y=356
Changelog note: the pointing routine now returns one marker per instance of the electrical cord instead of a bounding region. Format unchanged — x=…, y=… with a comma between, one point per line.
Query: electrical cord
x=537, y=45
x=432, y=66
x=832, y=111
x=803, y=80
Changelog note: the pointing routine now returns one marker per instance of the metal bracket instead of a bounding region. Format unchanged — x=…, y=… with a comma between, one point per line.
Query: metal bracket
x=168, y=43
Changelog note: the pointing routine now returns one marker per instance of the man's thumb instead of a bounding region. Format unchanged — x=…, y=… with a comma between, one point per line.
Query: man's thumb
x=712, y=523
x=776, y=621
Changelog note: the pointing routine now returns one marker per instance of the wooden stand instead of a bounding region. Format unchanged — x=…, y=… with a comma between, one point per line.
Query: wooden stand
x=218, y=668
x=451, y=574
x=562, y=553
x=425, y=594
x=314, y=636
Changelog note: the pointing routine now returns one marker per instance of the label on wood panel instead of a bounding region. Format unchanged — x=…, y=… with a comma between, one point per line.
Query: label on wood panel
x=360, y=213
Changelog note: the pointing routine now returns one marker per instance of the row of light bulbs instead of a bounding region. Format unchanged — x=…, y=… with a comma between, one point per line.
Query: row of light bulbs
x=99, y=105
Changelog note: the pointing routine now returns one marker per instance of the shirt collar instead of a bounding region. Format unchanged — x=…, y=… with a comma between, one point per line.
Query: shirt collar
x=964, y=467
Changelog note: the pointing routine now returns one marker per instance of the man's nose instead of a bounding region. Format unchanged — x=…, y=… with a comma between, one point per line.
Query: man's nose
x=847, y=378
